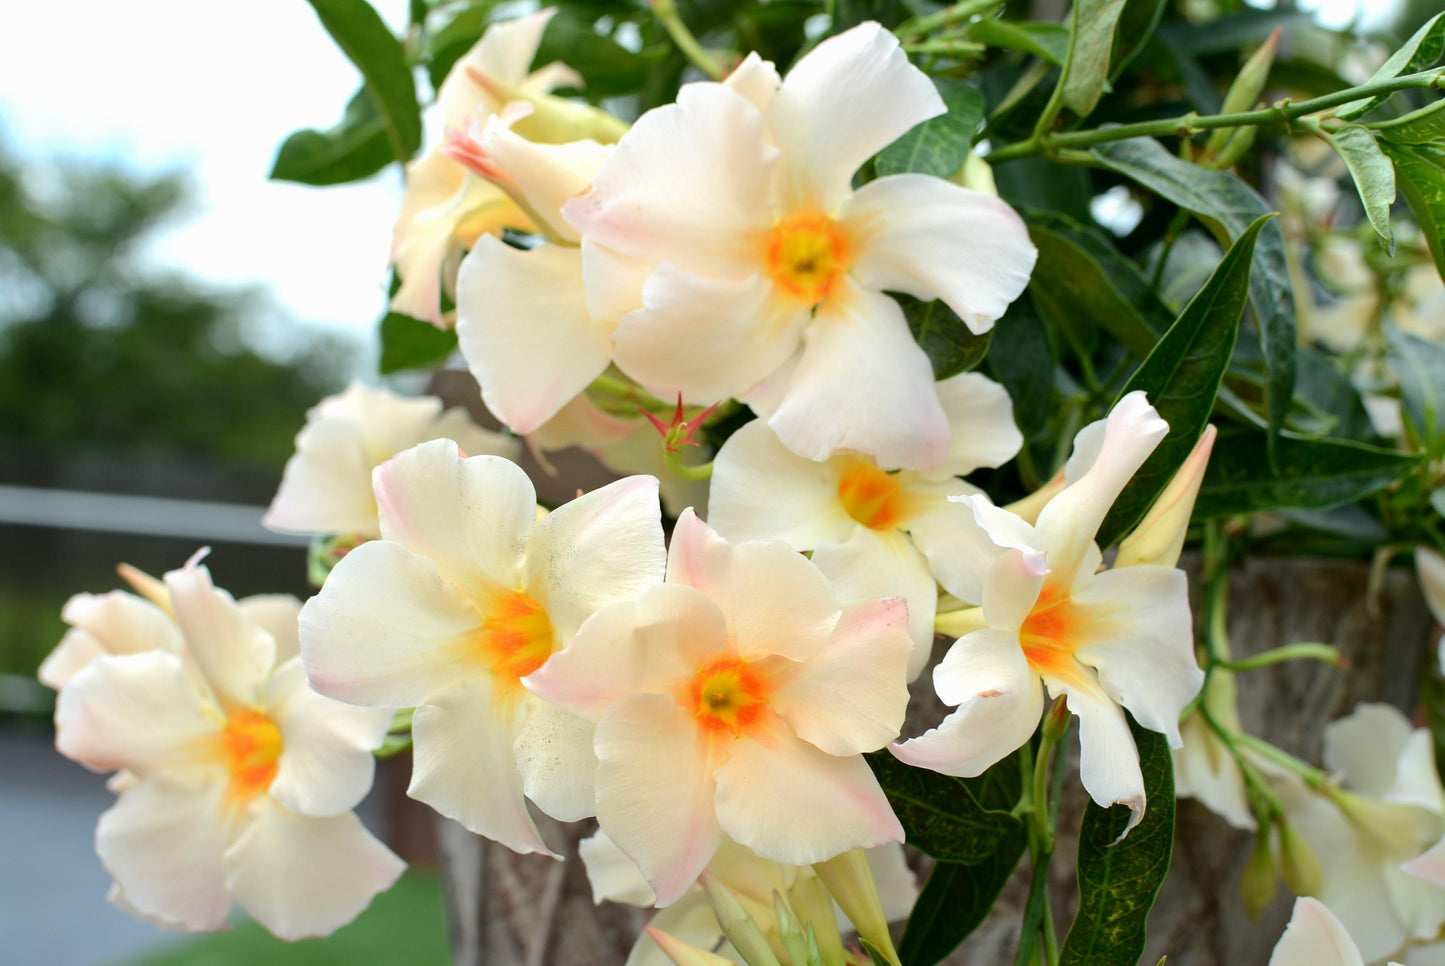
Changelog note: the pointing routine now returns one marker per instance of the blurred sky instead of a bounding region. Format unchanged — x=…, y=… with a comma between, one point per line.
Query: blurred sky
x=175, y=84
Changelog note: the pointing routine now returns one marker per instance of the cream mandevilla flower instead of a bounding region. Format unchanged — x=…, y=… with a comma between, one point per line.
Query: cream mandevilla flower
x=873, y=533
x=465, y=594
x=241, y=780
x=1107, y=640
x=326, y=487
x=736, y=699
x=1315, y=937
x=767, y=267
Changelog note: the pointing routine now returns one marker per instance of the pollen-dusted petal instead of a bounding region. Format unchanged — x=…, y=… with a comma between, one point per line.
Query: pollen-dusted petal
x=688, y=184
x=385, y=629
x=870, y=564
x=1138, y=634
x=707, y=338
x=802, y=508
x=851, y=697
x=464, y=766
x=980, y=424
x=599, y=548
x=843, y=102
x=514, y=309
x=655, y=791
x=774, y=600
x=999, y=700
x=138, y=712
x=1314, y=937
x=301, y=876
x=234, y=654
x=469, y=517
x=646, y=644
x=555, y=759
x=791, y=802
x=163, y=842
x=863, y=384
x=934, y=240
x=326, y=766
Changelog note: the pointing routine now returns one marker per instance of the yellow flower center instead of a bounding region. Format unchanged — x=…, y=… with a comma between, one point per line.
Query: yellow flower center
x=872, y=497
x=1050, y=634
x=806, y=254
x=726, y=695
x=516, y=637
x=250, y=746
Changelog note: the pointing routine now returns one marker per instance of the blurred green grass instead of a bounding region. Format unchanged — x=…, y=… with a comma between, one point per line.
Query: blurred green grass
x=405, y=926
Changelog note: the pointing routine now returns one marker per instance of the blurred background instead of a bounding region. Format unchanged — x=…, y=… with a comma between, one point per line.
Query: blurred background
x=167, y=315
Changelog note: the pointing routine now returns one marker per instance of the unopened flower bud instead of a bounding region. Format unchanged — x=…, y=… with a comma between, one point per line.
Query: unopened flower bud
x=1159, y=537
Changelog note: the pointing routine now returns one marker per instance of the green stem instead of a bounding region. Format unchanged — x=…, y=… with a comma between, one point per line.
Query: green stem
x=666, y=13
x=1193, y=123
x=1308, y=651
x=1056, y=98
x=1312, y=776
x=923, y=26
x=1171, y=235
x=947, y=48
x=686, y=471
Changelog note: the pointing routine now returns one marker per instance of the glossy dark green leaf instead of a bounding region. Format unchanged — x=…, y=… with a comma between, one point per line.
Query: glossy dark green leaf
x=950, y=346
x=955, y=901
x=1419, y=52
x=1418, y=127
x=1323, y=385
x=610, y=69
x=1228, y=207
x=1420, y=175
x=355, y=148
x=1080, y=274
x=1373, y=175
x=1137, y=25
x=1088, y=69
x=1047, y=40
x=1119, y=880
x=1022, y=359
x=1181, y=379
x=1419, y=365
x=1309, y=474
x=408, y=343
x=940, y=145
x=942, y=816
x=367, y=41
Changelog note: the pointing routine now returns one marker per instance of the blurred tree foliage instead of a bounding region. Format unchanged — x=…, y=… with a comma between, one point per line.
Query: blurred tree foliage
x=102, y=350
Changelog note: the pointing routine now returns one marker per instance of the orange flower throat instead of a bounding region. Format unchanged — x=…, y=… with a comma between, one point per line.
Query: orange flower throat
x=872, y=497
x=806, y=254
x=1050, y=634
x=250, y=746
x=726, y=695
x=516, y=636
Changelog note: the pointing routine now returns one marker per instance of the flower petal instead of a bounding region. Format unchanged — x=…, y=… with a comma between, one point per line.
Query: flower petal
x=707, y=338
x=326, y=486
x=599, y=548
x=775, y=601
x=756, y=79
x=980, y=424
x=383, y=631
x=301, y=876
x=163, y=842
x=464, y=766
x=999, y=700
x=843, y=102
x=1365, y=746
x=934, y=240
x=863, y=384
x=1314, y=937
x=801, y=507
x=613, y=281
x=790, y=802
x=1108, y=757
x=505, y=52
x=555, y=759
x=688, y=184
x=514, y=310
x=613, y=876
x=1430, y=567
x=326, y=765
x=1139, y=635
x=469, y=517
x=647, y=644
x=655, y=791
x=870, y=564
x=544, y=175
x=959, y=551
x=140, y=712
x=111, y=623
x=235, y=654
x=1011, y=588
x=277, y=615
x=851, y=696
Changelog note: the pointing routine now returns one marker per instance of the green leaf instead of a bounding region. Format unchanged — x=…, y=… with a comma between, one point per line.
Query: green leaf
x=1420, y=174
x=942, y=815
x=1419, y=364
x=955, y=901
x=355, y=148
x=1418, y=127
x=408, y=343
x=1373, y=174
x=1309, y=474
x=367, y=41
x=450, y=43
x=940, y=145
x=1228, y=207
x=1136, y=28
x=1081, y=275
x=1022, y=359
x=1181, y=378
x=1418, y=53
x=1119, y=880
x=946, y=338
x=1047, y=40
x=1088, y=71
x=611, y=70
